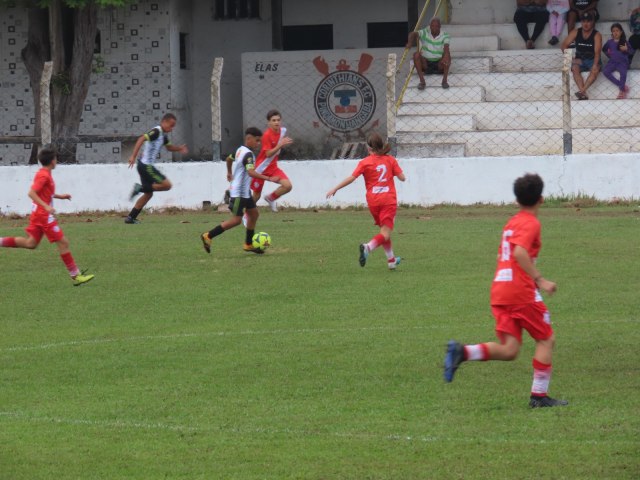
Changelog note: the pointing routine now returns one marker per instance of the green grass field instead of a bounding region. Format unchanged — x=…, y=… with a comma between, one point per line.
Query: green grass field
x=300, y=364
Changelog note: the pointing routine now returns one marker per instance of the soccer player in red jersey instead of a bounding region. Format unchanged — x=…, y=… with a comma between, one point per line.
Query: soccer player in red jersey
x=516, y=303
x=378, y=169
x=274, y=139
x=42, y=221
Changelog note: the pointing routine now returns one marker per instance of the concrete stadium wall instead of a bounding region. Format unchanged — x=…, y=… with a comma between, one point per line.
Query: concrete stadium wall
x=463, y=181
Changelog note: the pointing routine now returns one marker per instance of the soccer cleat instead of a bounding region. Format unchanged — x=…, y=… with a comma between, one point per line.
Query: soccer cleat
x=137, y=188
x=541, y=402
x=364, y=253
x=206, y=242
x=452, y=359
x=131, y=221
x=80, y=279
x=393, y=264
x=249, y=248
x=272, y=204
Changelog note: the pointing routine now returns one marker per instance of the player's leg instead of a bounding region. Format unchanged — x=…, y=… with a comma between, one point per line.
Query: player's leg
x=149, y=175
x=252, y=215
x=537, y=322
x=162, y=186
x=19, y=242
x=55, y=235
x=236, y=208
x=284, y=188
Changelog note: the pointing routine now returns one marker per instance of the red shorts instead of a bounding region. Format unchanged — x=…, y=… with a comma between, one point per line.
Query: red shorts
x=533, y=317
x=51, y=230
x=258, y=183
x=384, y=215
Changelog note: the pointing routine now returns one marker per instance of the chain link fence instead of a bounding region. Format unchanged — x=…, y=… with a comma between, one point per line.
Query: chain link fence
x=513, y=103
x=507, y=103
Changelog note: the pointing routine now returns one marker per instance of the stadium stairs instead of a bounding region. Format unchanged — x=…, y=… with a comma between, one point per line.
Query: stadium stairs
x=506, y=100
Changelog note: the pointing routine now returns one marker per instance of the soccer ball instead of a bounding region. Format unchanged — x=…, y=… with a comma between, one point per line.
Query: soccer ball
x=261, y=241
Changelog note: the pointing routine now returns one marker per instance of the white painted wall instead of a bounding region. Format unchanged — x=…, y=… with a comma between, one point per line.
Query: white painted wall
x=463, y=181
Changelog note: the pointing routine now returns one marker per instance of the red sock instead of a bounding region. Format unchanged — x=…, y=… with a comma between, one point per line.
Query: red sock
x=375, y=242
x=9, y=242
x=541, y=378
x=70, y=263
x=273, y=196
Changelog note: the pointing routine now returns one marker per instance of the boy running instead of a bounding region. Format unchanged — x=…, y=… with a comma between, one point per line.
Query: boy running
x=379, y=170
x=273, y=140
x=151, y=179
x=516, y=303
x=240, y=171
x=42, y=222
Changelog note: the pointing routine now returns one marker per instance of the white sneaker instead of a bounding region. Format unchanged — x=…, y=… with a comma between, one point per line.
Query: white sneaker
x=245, y=219
x=392, y=265
x=272, y=204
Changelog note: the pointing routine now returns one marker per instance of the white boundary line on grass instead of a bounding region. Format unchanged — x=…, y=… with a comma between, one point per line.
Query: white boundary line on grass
x=103, y=341
x=124, y=424
x=99, y=341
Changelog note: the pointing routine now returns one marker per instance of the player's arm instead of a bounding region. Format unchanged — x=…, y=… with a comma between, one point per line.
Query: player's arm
x=347, y=181
x=521, y=256
x=62, y=196
x=177, y=148
x=282, y=143
x=136, y=150
x=33, y=195
x=248, y=162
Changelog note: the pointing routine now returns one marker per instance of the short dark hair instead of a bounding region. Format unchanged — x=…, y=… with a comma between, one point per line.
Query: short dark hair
x=46, y=156
x=528, y=189
x=169, y=116
x=272, y=113
x=253, y=131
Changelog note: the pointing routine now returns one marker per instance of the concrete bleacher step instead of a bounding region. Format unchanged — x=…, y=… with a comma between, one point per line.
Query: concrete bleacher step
x=492, y=143
x=513, y=61
x=431, y=150
x=502, y=87
x=436, y=123
x=475, y=43
x=442, y=95
x=487, y=116
x=603, y=89
x=460, y=65
x=606, y=140
x=509, y=37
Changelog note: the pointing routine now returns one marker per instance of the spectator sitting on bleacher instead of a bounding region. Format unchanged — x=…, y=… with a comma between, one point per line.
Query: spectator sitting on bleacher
x=557, y=11
x=618, y=50
x=433, y=55
x=634, y=25
x=531, y=11
x=577, y=8
x=588, y=44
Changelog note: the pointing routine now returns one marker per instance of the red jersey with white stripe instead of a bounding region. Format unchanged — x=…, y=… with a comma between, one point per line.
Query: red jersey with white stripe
x=512, y=285
x=379, y=172
x=45, y=187
x=270, y=139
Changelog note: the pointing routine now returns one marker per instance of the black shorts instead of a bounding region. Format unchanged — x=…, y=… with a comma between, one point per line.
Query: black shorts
x=238, y=205
x=433, y=68
x=149, y=175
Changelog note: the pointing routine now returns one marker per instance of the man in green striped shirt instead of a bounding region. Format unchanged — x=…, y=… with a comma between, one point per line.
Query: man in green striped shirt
x=433, y=56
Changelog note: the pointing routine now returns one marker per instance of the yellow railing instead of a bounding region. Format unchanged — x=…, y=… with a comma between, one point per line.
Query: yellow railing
x=406, y=50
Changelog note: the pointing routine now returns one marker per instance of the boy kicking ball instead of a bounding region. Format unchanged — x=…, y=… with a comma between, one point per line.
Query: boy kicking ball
x=240, y=172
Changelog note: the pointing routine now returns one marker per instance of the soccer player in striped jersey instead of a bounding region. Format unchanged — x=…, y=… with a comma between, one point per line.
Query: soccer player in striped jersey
x=433, y=55
x=516, y=302
x=151, y=179
x=379, y=170
x=42, y=221
x=240, y=171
